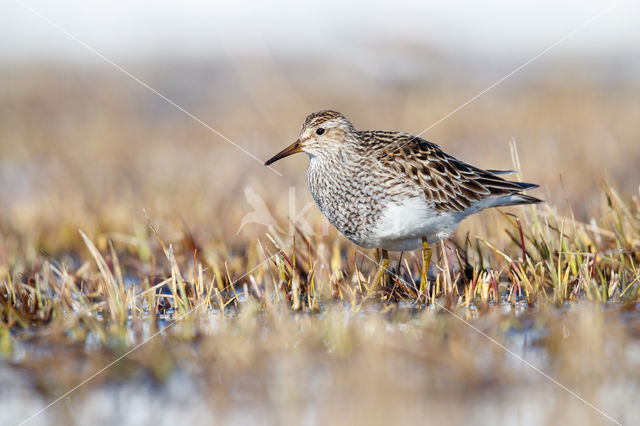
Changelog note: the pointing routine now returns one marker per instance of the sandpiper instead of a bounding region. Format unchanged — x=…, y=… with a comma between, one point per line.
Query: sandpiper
x=392, y=190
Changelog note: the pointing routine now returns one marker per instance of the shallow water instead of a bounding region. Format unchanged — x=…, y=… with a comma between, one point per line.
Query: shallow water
x=375, y=381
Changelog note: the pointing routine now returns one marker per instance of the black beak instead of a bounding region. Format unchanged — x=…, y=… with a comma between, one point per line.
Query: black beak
x=291, y=149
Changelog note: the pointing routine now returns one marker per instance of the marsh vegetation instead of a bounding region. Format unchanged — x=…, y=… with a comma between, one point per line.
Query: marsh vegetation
x=122, y=245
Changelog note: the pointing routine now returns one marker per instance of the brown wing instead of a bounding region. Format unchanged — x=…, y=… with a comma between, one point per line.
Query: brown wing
x=451, y=184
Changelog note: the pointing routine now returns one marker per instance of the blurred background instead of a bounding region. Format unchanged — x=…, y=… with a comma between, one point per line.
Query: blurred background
x=84, y=144
x=112, y=108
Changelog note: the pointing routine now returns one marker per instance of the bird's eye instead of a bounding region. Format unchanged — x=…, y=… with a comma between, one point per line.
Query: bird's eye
x=319, y=131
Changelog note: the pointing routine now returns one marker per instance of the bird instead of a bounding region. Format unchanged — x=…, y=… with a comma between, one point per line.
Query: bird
x=392, y=190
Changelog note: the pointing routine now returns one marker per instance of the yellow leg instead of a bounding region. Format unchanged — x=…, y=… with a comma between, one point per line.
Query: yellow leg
x=382, y=268
x=426, y=261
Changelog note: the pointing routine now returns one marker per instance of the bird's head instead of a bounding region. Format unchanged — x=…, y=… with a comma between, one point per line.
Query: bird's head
x=322, y=133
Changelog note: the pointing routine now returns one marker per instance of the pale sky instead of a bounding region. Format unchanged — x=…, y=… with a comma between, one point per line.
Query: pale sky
x=146, y=29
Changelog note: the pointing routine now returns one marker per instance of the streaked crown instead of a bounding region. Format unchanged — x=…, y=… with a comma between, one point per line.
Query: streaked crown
x=327, y=116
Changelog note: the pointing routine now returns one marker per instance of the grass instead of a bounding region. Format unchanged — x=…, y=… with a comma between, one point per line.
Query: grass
x=122, y=241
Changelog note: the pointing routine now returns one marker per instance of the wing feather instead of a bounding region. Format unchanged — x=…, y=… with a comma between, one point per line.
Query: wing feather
x=451, y=184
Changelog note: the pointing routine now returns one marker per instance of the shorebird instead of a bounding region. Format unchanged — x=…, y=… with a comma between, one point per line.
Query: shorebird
x=392, y=190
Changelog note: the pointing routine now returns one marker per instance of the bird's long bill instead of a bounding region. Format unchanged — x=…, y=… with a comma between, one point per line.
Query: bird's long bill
x=291, y=149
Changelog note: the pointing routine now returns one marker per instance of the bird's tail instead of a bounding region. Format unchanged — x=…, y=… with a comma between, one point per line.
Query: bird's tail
x=517, y=199
x=505, y=192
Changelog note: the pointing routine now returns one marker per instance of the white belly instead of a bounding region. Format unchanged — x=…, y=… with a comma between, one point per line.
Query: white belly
x=402, y=226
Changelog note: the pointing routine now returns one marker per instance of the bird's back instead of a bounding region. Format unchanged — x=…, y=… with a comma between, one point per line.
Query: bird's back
x=451, y=184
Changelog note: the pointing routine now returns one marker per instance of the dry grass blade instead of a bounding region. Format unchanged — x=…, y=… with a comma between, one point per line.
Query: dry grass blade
x=114, y=293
